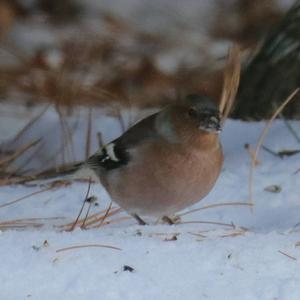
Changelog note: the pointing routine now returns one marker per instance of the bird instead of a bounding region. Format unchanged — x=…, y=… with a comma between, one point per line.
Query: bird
x=166, y=162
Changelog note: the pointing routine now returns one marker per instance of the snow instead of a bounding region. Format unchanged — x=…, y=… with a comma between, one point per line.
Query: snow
x=248, y=267
x=222, y=252
x=253, y=255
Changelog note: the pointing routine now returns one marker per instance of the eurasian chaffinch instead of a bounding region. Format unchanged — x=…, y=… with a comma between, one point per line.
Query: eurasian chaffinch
x=164, y=163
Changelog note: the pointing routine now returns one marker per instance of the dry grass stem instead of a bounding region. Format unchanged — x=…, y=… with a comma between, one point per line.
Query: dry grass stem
x=100, y=139
x=94, y=218
x=21, y=226
x=30, y=124
x=233, y=234
x=105, y=215
x=121, y=120
x=26, y=197
x=291, y=129
x=27, y=223
x=54, y=172
x=261, y=140
x=209, y=222
x=114, y=221
x=231, y=82
x=88, y=133
x=97, y=221
x=287, y=255
x=82, y=206
x=16, y=180
x=83, y=226
x=18, y=153
x=80, y=221
x=215, y=205
x=27, y=161
x=67, y=147
x=197, y=234
x=252, y=154
x=87, y=246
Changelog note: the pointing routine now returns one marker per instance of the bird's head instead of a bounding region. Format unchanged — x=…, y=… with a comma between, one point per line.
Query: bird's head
x=202, y=113
x=195, y=116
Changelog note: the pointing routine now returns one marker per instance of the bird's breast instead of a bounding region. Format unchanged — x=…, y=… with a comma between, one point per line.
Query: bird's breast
x=162, y=180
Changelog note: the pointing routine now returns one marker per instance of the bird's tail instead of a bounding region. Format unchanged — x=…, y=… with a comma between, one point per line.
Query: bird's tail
x=65, y=171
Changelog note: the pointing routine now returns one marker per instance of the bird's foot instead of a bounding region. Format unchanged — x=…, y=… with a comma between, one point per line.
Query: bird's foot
x=170, y=220
x=139, y=219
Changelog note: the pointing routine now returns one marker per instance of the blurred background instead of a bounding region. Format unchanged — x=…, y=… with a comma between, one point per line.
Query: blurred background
x=62, y=63
x=132, y=52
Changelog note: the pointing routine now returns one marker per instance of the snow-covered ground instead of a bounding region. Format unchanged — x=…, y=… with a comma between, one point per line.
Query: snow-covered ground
x=223, y=252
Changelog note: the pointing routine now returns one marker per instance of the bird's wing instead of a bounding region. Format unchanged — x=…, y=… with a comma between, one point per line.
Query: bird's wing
x=116, y=154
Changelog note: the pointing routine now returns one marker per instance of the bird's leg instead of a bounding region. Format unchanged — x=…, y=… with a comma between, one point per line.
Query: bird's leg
x=167, y=220
x=139, y=219
x=170, y=221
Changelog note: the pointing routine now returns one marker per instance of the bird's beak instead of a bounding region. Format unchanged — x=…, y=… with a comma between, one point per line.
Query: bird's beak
x=211, y=122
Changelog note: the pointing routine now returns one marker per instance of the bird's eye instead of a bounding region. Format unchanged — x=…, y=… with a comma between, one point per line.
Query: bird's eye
x=192, y=113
